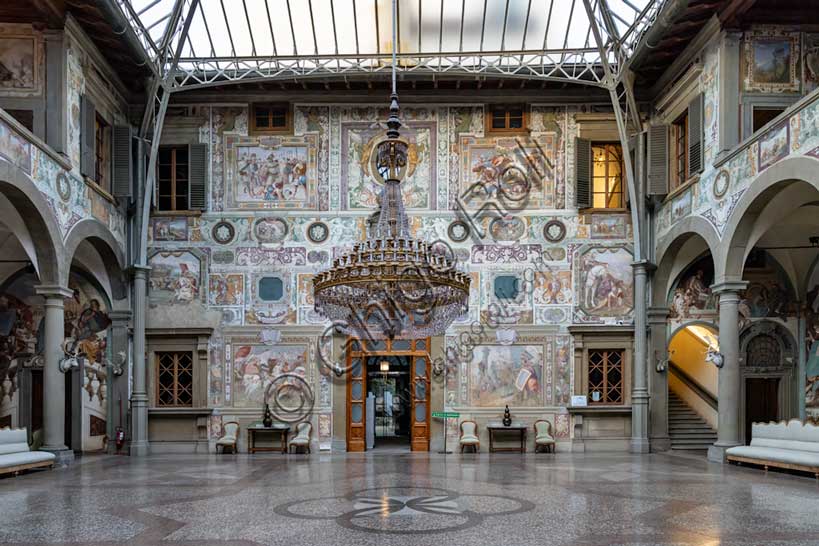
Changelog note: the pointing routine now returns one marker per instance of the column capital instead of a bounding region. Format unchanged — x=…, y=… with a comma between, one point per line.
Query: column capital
x=53, y=291
x=727, y=287
x=138, y=271
x=120, y=315
x=657, y=315
x=643, y=266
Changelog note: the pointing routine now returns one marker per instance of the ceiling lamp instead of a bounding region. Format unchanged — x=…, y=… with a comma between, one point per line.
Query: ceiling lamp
x=392, y=285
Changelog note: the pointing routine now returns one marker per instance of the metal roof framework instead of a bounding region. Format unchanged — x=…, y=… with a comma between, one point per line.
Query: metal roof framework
x=222, y=41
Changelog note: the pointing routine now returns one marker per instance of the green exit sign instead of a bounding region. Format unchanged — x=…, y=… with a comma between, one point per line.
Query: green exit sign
x=445, y=415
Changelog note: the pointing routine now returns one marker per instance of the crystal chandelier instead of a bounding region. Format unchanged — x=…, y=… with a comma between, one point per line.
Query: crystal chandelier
x=392, y=285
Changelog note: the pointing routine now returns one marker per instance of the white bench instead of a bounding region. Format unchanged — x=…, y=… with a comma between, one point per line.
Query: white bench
x=15, y=455
x=792, y=445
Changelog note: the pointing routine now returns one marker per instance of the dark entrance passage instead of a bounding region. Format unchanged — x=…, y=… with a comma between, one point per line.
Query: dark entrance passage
x=388, y=390
x=761, y=402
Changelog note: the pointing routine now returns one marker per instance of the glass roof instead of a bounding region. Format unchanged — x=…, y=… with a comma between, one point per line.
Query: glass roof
x=252, y=39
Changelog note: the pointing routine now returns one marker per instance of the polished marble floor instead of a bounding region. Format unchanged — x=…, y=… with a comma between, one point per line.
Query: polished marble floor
x=409, y=499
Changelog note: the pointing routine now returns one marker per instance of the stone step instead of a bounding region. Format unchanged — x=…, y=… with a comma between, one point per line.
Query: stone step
x=688, y=431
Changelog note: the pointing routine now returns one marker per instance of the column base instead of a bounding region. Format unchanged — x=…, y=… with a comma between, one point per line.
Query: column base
x=63, y=455
x=639, y=445
x=660, y=444
x=716, y=453
x=140, y=449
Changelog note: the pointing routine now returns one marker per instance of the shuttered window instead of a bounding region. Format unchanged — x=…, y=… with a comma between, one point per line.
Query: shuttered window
x=695, y=135
x=121, y=156
x=607, y=176
x=181, y=177
x=583, y=173
x=658, y=160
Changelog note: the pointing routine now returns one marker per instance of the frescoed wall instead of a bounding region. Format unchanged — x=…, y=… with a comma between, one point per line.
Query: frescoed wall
x=86, y=334
x=277, y=218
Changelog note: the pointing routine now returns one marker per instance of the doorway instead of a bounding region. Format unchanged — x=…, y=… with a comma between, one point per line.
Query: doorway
x=761, y=402
x=388, y=390
x=388, y=401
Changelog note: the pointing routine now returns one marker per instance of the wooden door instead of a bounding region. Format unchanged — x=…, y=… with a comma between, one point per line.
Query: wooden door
x=420, y=411
x=356, y=402
x=761, y=402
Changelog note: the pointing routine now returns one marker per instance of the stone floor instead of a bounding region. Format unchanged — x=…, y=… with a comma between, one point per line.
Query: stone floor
x=412, y=499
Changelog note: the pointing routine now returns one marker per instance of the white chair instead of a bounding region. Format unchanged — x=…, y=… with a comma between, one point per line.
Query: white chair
x=302, y=438
x=229, y=438
x=469, y=436
x=543, y=436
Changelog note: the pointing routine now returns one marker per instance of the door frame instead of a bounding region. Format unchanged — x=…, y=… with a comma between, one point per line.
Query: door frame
x=357, y=349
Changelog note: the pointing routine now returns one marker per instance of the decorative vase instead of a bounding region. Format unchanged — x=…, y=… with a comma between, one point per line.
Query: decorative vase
x=267, y=418
x=507, y=417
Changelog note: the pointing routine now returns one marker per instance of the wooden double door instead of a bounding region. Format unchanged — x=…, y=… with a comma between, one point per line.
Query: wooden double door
x=417, y=353
x=761, y=402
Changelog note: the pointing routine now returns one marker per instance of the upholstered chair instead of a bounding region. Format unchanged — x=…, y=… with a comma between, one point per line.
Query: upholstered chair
x=543, y=436
x=302, y=438
x=229, y=438
x=469, y=436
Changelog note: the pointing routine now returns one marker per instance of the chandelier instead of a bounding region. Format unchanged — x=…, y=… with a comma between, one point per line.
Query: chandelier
x=391, y=284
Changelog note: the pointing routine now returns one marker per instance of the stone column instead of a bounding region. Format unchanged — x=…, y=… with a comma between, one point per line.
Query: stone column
x=729, y=378
x=639, y=391
x=139, y=395
x=118, y=384
x=53, y=378
x=658, y=384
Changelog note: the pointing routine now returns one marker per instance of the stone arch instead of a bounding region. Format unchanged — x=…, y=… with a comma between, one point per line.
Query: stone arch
x=34, y=210
x=776, y=192
x=102, y=240
x=685, y=242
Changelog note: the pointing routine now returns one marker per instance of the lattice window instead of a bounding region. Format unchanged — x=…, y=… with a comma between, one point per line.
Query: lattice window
x=174, y=374
x=763, y=351
x=606, y=376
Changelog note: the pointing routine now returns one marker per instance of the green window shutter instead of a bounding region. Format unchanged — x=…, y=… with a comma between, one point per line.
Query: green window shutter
x=88, y=137
x=122, y=182
x=658, y=160
x=583, y=173
x=198, y=174
x=695, y=135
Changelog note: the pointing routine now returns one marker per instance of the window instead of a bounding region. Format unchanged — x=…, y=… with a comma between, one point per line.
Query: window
x=606, y=376
x=270, y=118
x=172, y=178
x=679, y=134
x=507, y=118
x=174, y=379
x=607, y=176
x=101, y=152
x=763, y=116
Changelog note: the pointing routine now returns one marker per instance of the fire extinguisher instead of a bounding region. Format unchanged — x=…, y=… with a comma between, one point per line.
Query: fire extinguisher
x=119, y=432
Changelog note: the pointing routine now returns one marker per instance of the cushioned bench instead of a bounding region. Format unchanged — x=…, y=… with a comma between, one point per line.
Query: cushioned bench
x=792, y=445
x=15, y=455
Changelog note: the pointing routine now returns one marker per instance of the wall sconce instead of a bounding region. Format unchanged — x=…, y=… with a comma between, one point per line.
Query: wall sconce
x=385, y=366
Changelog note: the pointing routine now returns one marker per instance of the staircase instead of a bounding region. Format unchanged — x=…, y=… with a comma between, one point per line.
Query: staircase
x=687, y=429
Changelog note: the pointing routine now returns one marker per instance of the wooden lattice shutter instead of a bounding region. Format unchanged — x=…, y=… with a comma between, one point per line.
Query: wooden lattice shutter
x=122, y=182
x=198, y=169
x=695, y=136
x=88, y=137
x=657, y=160
x=583, y=173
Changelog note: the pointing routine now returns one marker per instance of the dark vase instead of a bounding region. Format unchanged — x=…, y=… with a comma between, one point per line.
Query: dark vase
x=507, y=417
x=267, y=418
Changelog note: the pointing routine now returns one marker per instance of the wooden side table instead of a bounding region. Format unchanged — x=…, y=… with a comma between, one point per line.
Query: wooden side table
x=514, y=427
x=283, y=431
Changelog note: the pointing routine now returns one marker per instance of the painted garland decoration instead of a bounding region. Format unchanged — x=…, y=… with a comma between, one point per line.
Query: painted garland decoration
x=458, y=231
x=318, y=232
x=223, y=232
x=554, y=231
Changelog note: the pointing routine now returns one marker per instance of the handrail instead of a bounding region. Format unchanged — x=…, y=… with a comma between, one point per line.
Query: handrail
x=694, y=385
